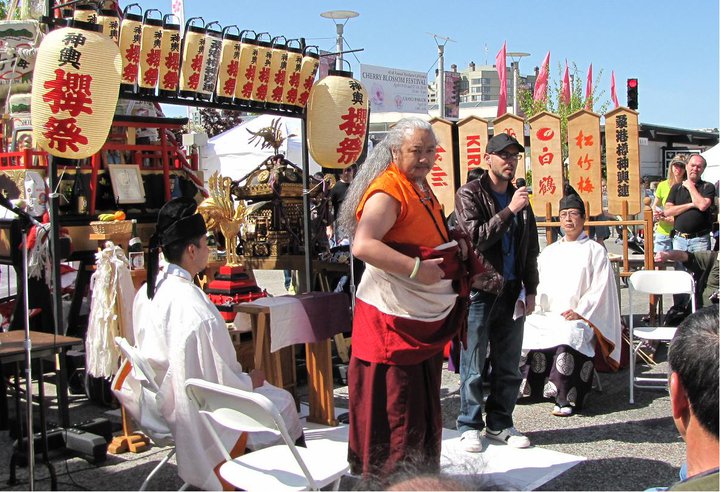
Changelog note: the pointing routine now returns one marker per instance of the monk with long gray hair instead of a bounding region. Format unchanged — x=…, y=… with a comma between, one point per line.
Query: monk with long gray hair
x=405, y=305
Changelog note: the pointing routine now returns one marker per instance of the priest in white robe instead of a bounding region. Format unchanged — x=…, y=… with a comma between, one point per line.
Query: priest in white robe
x=576, y=313
x=182, y=335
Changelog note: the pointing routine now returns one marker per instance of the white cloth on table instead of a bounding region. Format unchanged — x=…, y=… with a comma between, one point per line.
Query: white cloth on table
x=574, y=275
x=289, y=323
x=182, y=335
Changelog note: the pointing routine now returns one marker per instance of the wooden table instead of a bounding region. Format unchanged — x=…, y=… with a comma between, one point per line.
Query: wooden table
x=12, y=350
x=318, y=357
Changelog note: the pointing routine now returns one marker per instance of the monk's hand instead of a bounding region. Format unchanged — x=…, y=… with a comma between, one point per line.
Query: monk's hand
x=430, y=271
x=571, y=315
x=257, y=376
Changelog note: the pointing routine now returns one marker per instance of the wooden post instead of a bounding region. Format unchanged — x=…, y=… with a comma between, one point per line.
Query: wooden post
x=548, y=218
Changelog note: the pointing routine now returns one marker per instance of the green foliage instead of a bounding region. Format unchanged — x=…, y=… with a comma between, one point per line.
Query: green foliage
x=216, y=121
x=554, y=104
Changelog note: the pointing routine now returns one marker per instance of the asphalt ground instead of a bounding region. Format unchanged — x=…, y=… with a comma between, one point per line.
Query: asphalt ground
x=627, y=447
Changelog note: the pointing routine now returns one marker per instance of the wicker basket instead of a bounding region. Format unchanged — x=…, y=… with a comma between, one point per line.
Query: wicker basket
x=113, y=227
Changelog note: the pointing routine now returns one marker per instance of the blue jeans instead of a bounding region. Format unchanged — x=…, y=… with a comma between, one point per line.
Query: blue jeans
x=661, y=242
x=701, y=243
x=490, y=320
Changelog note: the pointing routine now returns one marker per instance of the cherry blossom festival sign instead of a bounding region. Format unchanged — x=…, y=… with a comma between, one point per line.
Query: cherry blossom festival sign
x=75, y=91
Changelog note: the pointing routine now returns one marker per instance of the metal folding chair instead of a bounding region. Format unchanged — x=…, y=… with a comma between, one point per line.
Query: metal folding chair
x=654, y=282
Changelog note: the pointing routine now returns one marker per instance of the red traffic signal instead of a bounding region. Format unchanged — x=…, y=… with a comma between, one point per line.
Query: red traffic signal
x=632, y=93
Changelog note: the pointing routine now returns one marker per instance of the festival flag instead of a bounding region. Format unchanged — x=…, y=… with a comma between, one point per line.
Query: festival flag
x=542, y=80
x=178, y=8
x=613, y=90
x=501, y=66
x=565, y=91
x=588, y=90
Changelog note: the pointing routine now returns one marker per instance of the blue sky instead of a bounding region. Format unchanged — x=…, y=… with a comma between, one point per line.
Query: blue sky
x=670, y=46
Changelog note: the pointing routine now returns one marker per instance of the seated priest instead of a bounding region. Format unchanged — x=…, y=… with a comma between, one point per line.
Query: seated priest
x=182, y=335
x=576, y=311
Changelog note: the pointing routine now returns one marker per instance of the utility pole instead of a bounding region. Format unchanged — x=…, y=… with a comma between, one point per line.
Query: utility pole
x=440, y=79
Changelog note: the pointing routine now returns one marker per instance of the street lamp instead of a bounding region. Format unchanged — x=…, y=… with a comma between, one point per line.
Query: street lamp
x=516, y=73
x=339, y=15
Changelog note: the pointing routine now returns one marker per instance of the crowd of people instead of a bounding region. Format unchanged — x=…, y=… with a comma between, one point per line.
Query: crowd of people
x=539, y=318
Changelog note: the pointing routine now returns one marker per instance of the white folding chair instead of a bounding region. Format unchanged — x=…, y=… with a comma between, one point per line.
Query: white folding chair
x=160, y=436
x=654, y=282
x=282, y=466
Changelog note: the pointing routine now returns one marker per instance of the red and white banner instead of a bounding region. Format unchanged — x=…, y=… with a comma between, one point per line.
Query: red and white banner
x=541, y=83
x=501, y=65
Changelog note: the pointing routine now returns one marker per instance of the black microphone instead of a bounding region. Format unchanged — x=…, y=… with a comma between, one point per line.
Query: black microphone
x=17, y=210
x=519, y=183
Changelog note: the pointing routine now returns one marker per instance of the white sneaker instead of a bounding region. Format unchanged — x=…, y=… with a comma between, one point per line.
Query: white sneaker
x=510, y=436
x=471, y=441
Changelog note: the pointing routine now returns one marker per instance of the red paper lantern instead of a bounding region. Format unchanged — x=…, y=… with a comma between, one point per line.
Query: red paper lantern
x=169, y=76
x=229, y=63
x=294, y=65
x=193, y=58
x=249, y=51
x=308, y=72
x=337, y=120
x=150, y=52
x=213, y=46
x=278, y=73
x=75, y=90
x=262, y=74
x=110, y=22
x=130, y=35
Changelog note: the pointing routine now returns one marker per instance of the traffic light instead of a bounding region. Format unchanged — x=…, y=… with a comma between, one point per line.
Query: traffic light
x=632, y=93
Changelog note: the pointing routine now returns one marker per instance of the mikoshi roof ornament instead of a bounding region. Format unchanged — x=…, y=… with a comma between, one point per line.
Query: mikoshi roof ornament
x=75, y=90
x=337, y=120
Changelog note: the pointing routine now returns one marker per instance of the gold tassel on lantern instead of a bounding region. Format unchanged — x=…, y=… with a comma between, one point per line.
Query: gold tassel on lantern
x=249, y=51
x=337, y=120
x=308, y=72
x=75, y=90
x=213, y=45
x=262, y=74
x=292, y=84
x=110, y=21
x=278, y=73
x=130, y=35
x=193, y=58
x=229, y=63
x=150, y=53
x=169, y=76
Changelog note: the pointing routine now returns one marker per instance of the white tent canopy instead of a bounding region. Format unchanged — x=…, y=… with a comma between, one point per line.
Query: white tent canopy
x=712, y=171
x=234, y=156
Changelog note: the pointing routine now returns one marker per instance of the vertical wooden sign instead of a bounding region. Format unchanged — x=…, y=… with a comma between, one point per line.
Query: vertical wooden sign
x=472, y=140
x=622, y=154
x=584, y=167
x=515, y=127
x=442, y=175
x=546, y=162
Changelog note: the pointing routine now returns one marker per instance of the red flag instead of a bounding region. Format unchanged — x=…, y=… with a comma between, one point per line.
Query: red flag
x=588, y=90
x=565, y=91
x=542, y=80
x=501, y=66
x=613, y=90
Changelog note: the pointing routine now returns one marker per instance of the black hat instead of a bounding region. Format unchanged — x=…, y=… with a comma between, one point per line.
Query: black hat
x=502, y=141
x=177, y=221
x=572, y=201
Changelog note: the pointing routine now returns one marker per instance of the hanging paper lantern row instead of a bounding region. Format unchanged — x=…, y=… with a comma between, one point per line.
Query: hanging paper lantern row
x=228, y=68
x=75, y=89
x=337, y=120
x=150, y=52
x=169, y=76
x=130, y=35
x=86, y=13
x=208, y=63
